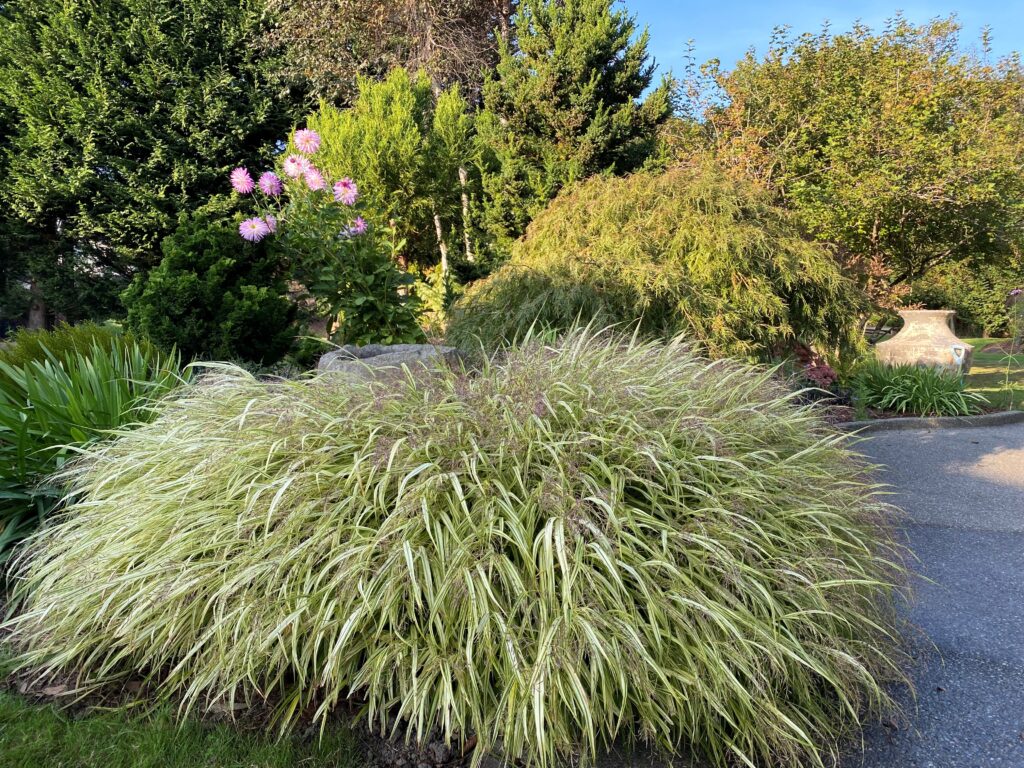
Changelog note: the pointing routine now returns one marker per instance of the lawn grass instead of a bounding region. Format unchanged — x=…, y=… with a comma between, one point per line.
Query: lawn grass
x=42, y=736
x=997, y=376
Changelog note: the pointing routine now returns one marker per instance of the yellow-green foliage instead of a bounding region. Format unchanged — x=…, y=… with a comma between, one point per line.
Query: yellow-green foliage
x=60, y=343
x=579, y=543
x=404, y=147
x=685, y=250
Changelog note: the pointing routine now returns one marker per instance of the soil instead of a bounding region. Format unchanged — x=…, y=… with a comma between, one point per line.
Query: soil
x=840, y=414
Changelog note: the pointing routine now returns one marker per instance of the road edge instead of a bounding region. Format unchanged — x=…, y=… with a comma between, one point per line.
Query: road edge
x=932, y=422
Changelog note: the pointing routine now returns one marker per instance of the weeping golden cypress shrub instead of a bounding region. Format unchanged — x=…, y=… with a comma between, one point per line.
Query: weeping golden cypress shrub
x=580, y=543
x=687, y=250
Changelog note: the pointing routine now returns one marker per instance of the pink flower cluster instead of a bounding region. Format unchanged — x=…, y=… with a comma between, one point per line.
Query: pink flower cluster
x=359, y=227
x=296, y=166
x=307, y=141
x=254, y=229
x=270, y=184
x=241, y=181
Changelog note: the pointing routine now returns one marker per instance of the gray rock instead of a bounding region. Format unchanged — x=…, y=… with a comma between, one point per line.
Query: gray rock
x=367, y=362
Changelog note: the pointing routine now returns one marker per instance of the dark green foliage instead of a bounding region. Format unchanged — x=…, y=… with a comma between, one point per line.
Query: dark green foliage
x=977, y=290
x=52, y=407
x=565, y=101
x=352, y=281
x=914, y=390
x=214, y=296
x=123, y=114
x=682, y=251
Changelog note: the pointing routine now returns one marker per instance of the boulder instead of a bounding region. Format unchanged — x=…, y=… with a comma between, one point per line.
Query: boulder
x=369, y=361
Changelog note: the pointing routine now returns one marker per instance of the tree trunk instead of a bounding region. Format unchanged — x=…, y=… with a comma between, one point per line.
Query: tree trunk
x=37, y=309
x=464, y=183
x=441, y=245
x=505, y=18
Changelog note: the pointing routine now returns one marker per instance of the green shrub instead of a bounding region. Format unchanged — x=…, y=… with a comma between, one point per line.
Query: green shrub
x=579, y=543
x=977, y=291
x=214, y=296
x=59, y=343
x=913, y=389
x=686, y=250
x=53, y=407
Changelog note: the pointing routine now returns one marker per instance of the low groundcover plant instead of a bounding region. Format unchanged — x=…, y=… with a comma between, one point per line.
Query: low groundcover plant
x=593, y=540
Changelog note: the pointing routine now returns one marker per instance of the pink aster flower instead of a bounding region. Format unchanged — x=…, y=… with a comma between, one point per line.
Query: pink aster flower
x=296, y=165
x=307, y=141
x=358, y=226
x=241, y=181
x=346, y=192
x=270, y=184
x=1016, y=292
x=315, y=179
x=254, y=230
x=271, y=222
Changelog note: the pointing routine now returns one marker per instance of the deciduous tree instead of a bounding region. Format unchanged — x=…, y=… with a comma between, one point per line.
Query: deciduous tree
x=898, y=148
x=330, y=44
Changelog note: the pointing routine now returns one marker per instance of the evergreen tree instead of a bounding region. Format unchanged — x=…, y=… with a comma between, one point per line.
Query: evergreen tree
x=565, y=102
x=14, y=295
x=125, y=114
x=214, y=296
x=410, y=152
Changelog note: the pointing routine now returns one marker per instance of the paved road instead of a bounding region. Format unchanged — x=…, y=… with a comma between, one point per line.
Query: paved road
x=963, y=491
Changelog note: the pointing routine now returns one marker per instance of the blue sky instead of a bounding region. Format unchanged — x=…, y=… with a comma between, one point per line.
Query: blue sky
x=727, y=28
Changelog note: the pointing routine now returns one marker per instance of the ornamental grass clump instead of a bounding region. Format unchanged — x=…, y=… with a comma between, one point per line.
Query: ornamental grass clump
x=593, y=540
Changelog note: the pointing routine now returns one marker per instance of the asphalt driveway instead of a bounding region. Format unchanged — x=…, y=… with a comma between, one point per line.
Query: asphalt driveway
x=963, y=492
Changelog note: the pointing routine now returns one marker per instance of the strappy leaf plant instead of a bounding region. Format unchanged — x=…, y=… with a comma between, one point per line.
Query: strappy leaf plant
x=914, y=389
x=55, y=403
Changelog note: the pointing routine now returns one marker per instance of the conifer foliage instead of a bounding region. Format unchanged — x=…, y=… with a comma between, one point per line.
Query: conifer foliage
x=125, y=113
x=565, y=102
x=406, y=145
